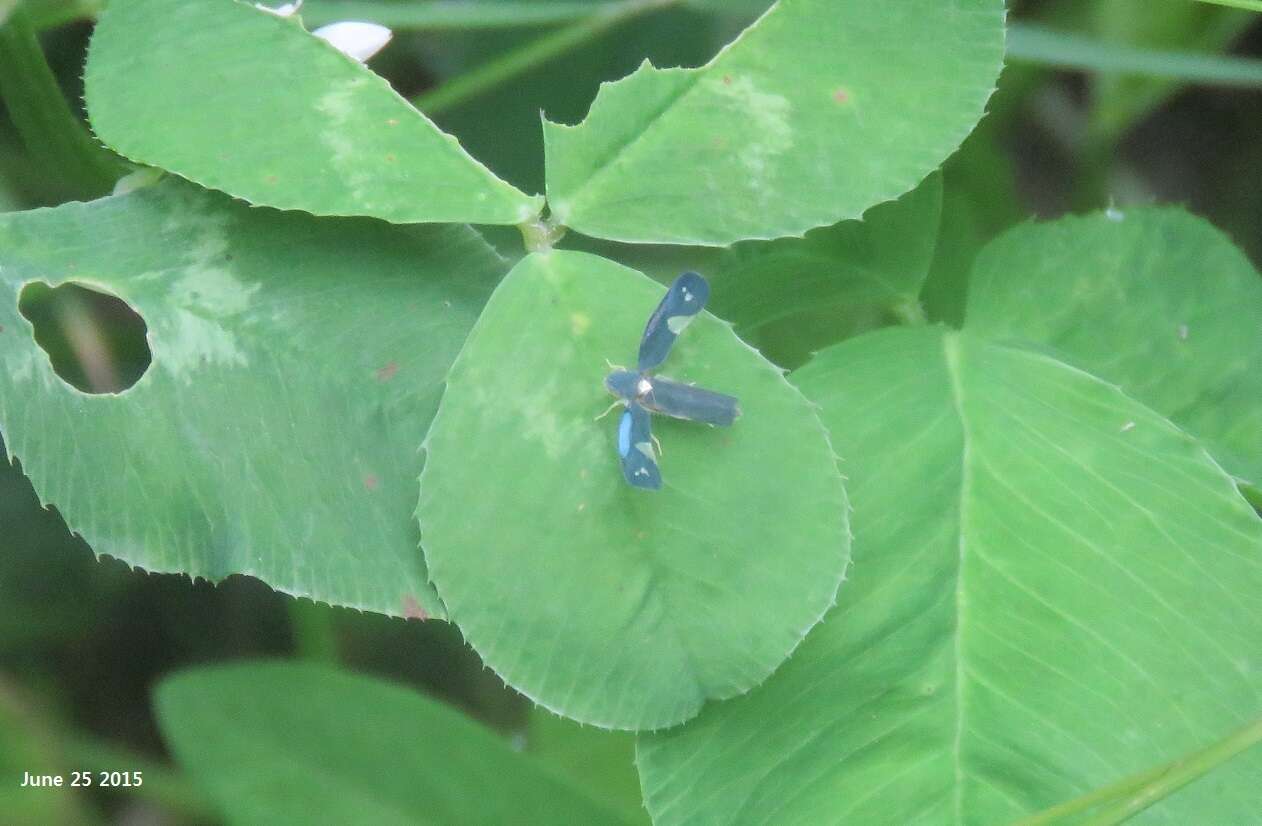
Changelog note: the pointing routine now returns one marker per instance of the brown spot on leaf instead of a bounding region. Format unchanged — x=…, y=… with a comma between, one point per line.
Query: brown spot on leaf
x=727, y=80
x=270, y=180
x=391, y=157
x=841, y=96
x=371, y=482
x=386, y=373
x=412, y=609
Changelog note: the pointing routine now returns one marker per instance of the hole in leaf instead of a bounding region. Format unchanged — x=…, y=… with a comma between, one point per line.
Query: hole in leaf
x=95, y=341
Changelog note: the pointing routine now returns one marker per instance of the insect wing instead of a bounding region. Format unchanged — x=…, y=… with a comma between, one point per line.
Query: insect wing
x=635, y=447
x=696, y=404
x=683, y=301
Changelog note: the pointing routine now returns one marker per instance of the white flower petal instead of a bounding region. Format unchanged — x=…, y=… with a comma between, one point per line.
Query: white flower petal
x=285, y=10
x=354, y=39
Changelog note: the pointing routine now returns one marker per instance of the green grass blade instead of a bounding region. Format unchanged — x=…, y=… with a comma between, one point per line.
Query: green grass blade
x=1031, y=43
x=450, y=14
x=597, y=21
x=1249, y=5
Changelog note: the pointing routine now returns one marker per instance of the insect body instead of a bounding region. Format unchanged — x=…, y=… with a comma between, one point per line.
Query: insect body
x=643, y=393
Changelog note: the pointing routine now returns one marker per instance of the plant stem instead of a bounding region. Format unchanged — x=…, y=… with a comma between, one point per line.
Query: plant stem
x=1032, y=43
x=491, y=74
x=461, y=15
x=312, y=627
x=1091, y=799
x=1133, y=794
x=541, y=234
x=1251, y=5
x=57, y=140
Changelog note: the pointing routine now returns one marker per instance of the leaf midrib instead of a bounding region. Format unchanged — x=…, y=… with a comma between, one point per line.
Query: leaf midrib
x=951, y=353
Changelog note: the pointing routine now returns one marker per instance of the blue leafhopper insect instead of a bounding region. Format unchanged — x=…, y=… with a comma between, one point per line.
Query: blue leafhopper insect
x=643, y=393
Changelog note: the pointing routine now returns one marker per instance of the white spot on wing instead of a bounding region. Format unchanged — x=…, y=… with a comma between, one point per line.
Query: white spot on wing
x=677, y=323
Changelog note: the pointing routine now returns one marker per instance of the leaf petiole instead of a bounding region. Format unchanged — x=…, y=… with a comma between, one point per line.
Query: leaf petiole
x=538, y=51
